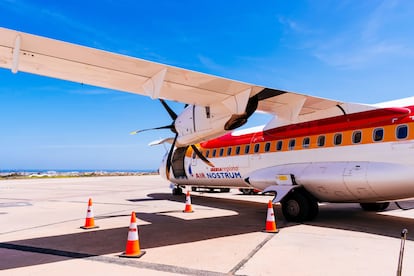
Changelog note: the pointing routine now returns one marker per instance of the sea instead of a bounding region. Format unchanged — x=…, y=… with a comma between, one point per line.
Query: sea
x=25, y=172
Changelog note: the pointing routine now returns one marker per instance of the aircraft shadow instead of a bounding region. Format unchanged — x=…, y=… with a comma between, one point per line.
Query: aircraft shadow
x=352, y=218
x=165, y=230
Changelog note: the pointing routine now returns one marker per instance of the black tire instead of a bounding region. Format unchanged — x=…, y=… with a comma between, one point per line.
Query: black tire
x=246, y=191
x=296, y=207
x=177, y=191
x=194, y=189
x=375, y=206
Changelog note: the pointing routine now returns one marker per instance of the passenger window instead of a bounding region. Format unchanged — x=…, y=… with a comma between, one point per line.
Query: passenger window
x=279, y=145
x=214, y=152
x=267, y=147
x=229, y=151
x=237, y=150
x=306, y=142
x=321, y=141
x=378, y=134
x=402, y=132
x=221, y=152
x=207, y=153
x=256, y=148
x=194, y=155
x=356, y=137
x=292, y=144
x=247, y=149
x=338, y=139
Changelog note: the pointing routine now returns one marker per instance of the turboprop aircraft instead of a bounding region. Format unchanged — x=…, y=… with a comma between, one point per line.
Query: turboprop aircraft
x=313, y=150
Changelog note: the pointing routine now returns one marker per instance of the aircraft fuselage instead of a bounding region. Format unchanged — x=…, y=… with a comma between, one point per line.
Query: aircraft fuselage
x=362, y=157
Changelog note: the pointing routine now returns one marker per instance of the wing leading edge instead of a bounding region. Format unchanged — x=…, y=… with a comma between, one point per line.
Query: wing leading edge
x=48, y=57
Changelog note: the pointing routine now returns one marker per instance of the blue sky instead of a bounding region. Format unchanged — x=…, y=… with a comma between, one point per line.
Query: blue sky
x=359, y=51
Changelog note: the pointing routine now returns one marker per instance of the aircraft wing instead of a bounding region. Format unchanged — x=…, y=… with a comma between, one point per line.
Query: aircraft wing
x=43, y=56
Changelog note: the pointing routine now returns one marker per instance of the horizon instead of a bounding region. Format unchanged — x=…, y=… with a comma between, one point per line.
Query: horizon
x=349, y=51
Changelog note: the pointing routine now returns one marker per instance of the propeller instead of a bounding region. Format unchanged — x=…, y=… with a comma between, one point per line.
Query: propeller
x=154, y=128
x=171, y=126
x=201, y=156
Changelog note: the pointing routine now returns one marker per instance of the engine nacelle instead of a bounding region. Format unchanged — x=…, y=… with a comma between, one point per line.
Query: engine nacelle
x=198, y=123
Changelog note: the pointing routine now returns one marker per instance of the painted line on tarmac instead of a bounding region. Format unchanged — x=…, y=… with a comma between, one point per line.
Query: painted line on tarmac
x=157, y=267
x=250, y=255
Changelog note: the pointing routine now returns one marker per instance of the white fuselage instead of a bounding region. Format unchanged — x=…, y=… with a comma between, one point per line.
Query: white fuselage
x=363, y=170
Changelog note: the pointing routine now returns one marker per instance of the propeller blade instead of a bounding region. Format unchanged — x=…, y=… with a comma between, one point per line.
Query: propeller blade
x=201, y=156
x=154, y=128
x=171, y=112
x=168, y=163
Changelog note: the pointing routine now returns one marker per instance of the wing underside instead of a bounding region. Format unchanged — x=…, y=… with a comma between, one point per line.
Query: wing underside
x=43, y=56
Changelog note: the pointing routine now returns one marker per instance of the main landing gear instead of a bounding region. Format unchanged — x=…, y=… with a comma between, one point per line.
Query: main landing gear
x=177, y=190
x=299, y=206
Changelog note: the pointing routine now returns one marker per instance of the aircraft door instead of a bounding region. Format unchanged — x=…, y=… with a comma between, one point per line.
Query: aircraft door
x=177, y=162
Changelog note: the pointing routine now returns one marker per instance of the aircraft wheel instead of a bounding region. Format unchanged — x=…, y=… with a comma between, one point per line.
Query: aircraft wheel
x=297, y=208
x=246, y=191
x=177, y=191
x=375, y=207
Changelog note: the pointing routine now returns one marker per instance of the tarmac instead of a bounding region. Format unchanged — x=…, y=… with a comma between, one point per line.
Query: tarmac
x=40, y=232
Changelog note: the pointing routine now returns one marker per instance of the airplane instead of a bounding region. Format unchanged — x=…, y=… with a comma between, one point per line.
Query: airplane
x=313, y=150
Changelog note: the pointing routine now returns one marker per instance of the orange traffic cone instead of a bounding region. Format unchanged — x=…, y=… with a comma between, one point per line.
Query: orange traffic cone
x=89, y=221
x=132, y=247
x=270, y=220
x=188, y=208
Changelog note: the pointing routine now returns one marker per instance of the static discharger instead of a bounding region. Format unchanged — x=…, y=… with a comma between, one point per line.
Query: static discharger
x=133, y=249
x=89, y=221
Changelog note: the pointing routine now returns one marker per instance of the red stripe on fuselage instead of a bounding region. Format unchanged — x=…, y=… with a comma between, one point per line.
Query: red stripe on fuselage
x=373, y=118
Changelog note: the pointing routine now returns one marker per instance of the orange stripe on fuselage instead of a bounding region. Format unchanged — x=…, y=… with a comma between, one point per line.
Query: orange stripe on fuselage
x=388, y=119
